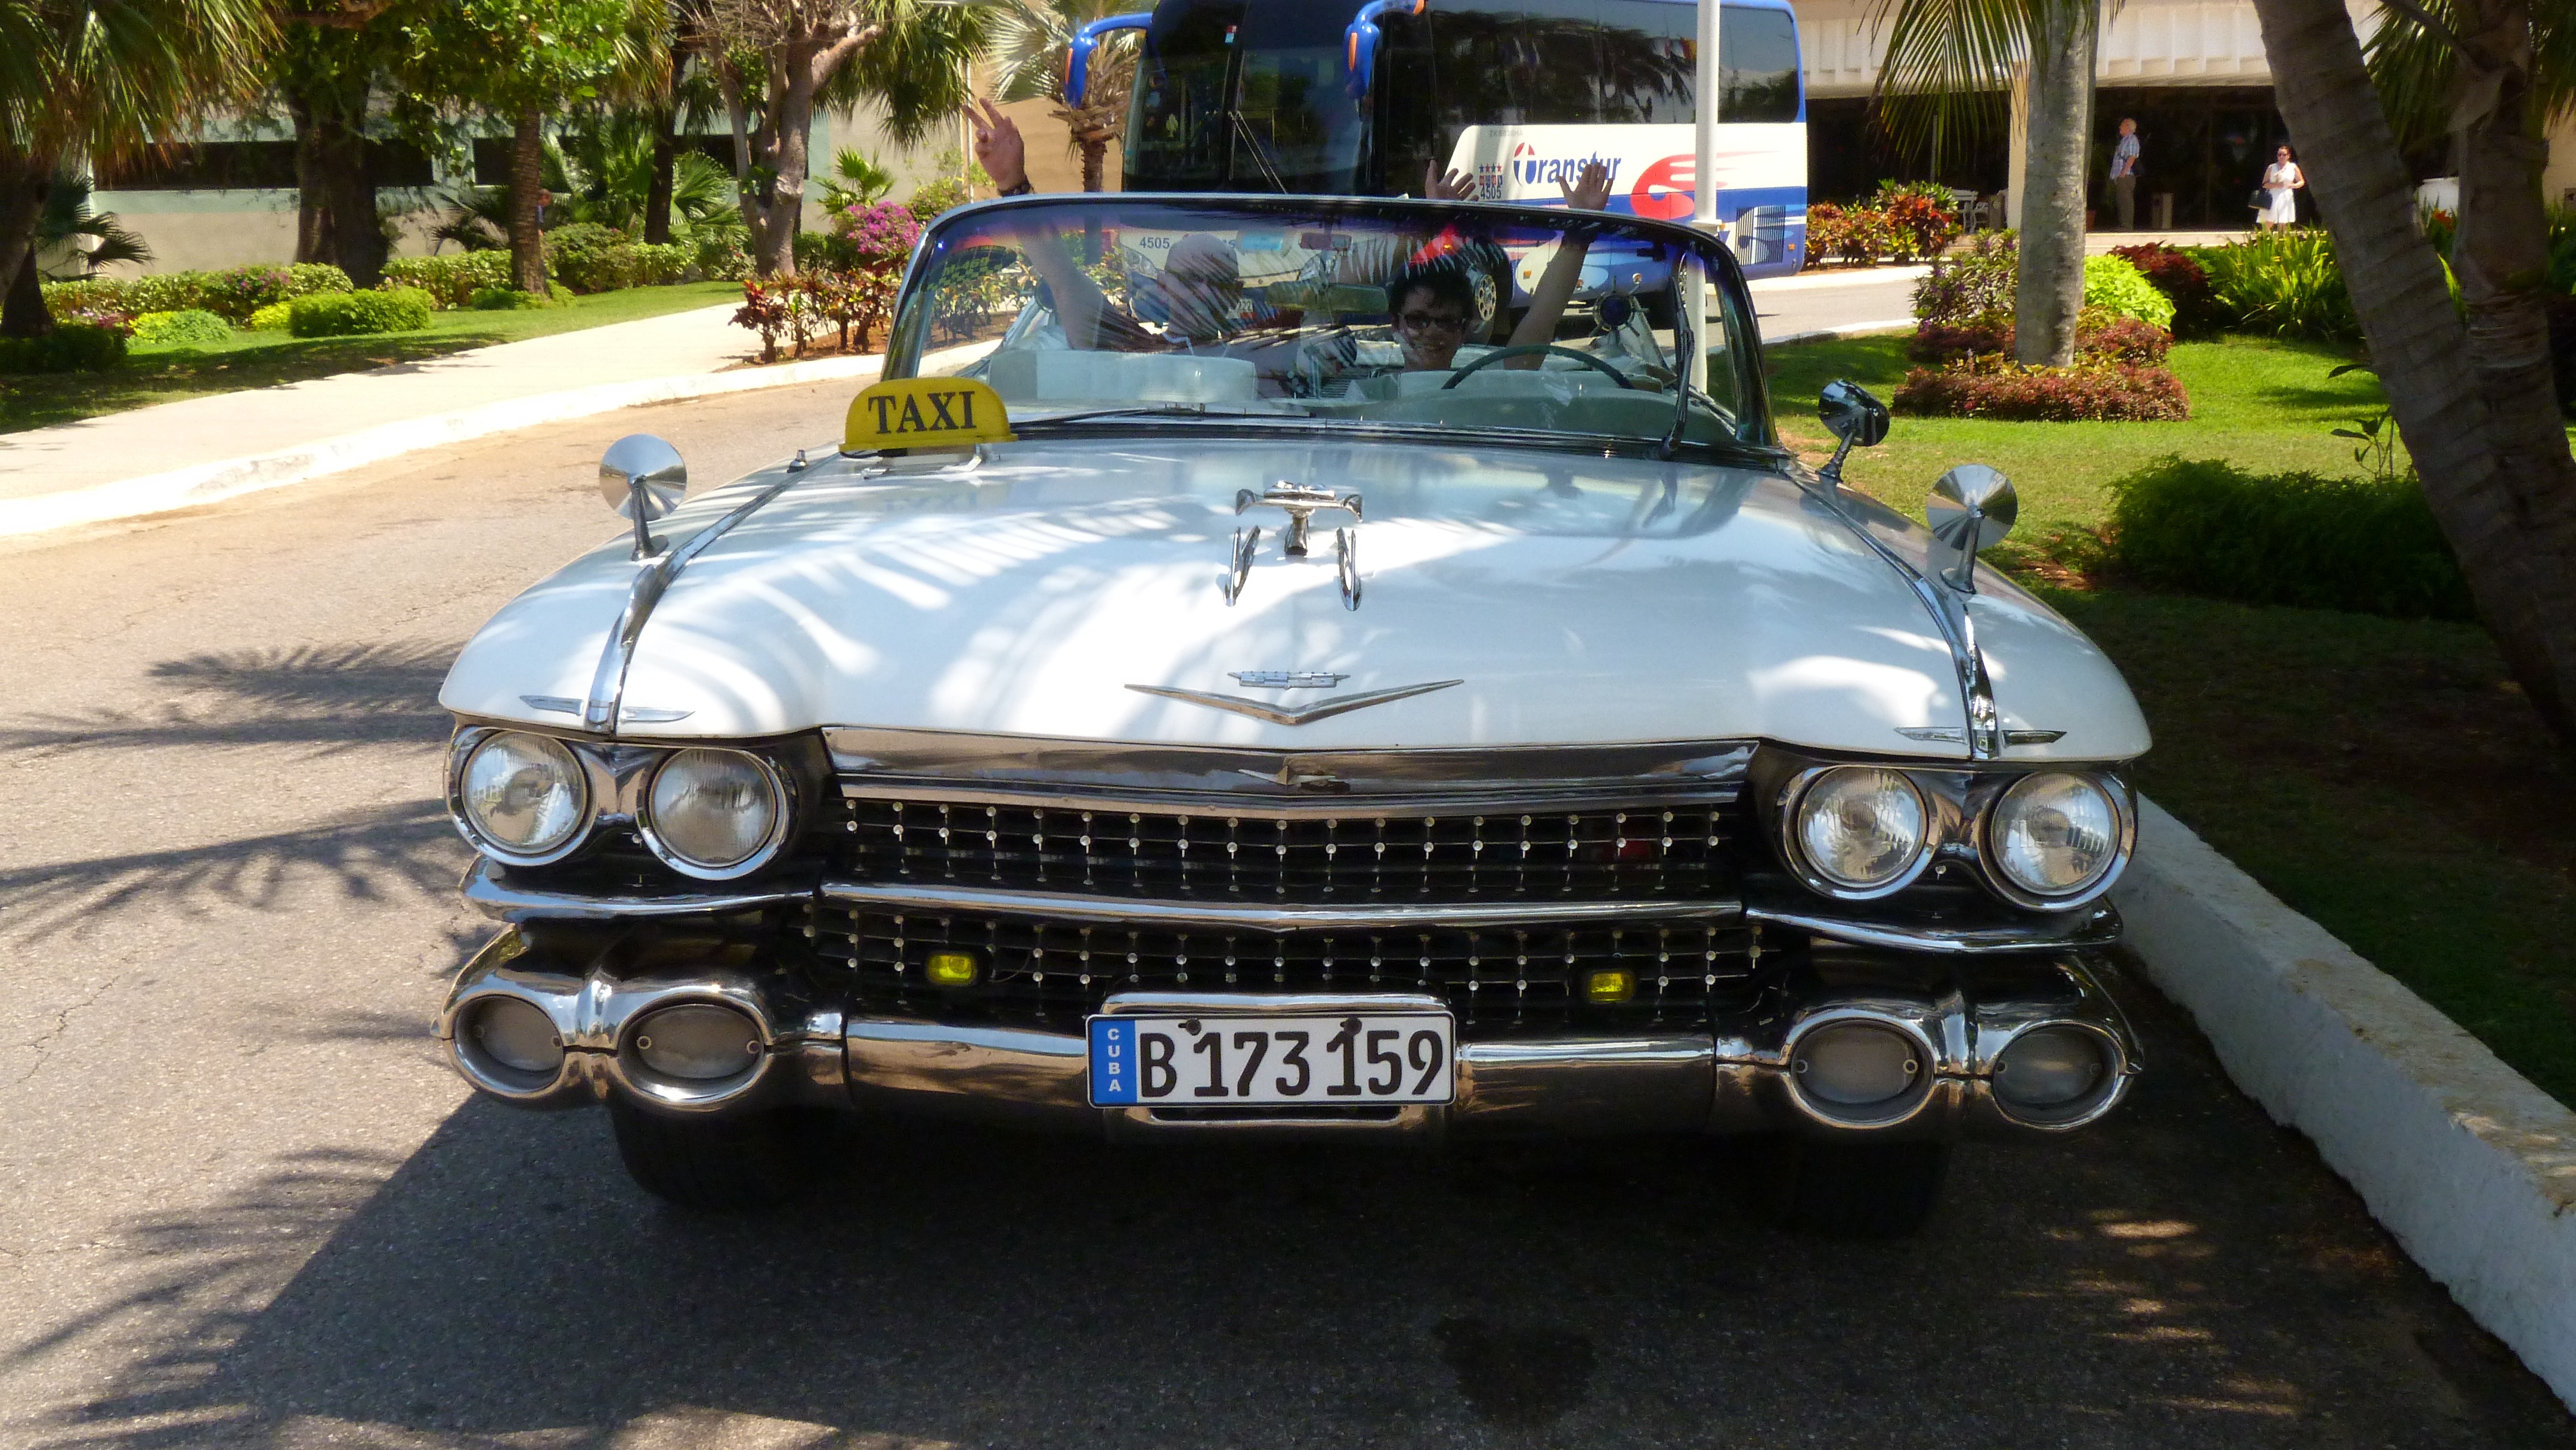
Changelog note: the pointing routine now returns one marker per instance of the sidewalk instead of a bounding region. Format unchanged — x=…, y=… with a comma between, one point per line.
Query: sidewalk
x=179, y=454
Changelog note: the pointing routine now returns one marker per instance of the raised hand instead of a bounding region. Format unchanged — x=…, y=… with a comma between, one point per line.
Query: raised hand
x=1455, y=186
x=1591, y=188
x=998, y=147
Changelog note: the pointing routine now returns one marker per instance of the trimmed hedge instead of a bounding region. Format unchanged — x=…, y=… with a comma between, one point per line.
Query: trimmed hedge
x=451, y=279
x=2360, y=544
x=588, y=257
x=271, y=318
x=233, y=294
x=347, y=314
x=2100, y=334
x=509, y=299
x=2087, y=392
x=72, y=347
x=193, y=327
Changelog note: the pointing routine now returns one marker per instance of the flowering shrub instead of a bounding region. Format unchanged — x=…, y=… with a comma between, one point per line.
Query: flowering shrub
x=233, y=294
x=1975, y=281
x=2007, y=392
x=879, y=236
x=2174, y=273
x=2116, y=283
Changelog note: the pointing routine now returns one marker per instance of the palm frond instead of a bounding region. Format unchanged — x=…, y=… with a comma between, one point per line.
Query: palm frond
x=1947, y=75
x=915, y=69
x=2411, y=68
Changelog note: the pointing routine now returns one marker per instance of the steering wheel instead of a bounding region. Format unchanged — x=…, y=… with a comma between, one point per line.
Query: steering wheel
x=1459, y=375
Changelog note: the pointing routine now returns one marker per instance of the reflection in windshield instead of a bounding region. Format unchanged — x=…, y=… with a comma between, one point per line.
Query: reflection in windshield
x=1393, y=313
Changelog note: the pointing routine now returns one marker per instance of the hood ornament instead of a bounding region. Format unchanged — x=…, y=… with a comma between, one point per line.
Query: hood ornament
x=1323, y=709
x=1301, y=504
x=1286, y=679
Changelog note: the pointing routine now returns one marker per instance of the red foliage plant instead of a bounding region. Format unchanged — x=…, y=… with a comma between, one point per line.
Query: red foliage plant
x=2091, y=391
x=2101, y=335
x=2197, y=312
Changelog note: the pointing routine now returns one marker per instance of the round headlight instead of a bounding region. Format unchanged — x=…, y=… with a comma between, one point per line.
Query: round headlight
x=714, y=809
x=1861, y=827
x=524, y=794
x=2054, y=834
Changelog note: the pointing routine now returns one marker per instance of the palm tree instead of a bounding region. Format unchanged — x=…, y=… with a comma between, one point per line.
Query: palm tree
x=101, y=81
x=1949, y=65
x=1030, y=41
x=2473, y=396
x=81, y=240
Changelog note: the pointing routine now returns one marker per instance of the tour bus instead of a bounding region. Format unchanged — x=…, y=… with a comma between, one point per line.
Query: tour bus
x=1356, y=97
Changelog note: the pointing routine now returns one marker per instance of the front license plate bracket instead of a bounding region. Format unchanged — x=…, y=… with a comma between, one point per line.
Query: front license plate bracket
x=1221, y=1060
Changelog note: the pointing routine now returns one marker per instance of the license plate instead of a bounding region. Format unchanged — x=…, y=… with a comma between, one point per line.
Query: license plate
x=1338, y=1059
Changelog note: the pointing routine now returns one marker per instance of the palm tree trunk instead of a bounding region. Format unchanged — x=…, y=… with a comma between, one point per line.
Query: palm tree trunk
x=2507, y=505
x=2049, y=290
x=24, y=184
x=527, y=180
x=1094, y=164
x=657, y=195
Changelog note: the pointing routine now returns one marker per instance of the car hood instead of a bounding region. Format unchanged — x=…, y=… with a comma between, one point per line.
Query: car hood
x=1571, y=599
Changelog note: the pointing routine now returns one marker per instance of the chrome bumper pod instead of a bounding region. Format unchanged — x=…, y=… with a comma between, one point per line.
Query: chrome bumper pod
x=1748, y=1075
x=595, y=1012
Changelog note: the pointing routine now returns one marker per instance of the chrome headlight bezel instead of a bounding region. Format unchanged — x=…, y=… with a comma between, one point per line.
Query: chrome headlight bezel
x=2124, y=812
x=1793, y=801
x=461, y=752
x=783, y=823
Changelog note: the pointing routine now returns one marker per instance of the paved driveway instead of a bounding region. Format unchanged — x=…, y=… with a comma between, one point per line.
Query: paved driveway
x=242, y=1204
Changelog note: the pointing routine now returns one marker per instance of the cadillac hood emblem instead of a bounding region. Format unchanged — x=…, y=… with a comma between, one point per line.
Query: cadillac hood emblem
x=1323, y=709
x=1286, y=679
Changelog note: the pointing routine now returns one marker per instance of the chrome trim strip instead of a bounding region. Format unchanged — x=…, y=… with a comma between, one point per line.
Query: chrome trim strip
x=2097, y=928
x=506, y=901
x=652, y=578
x=1321, y=710
x=1949, y=610
x=1213, y=916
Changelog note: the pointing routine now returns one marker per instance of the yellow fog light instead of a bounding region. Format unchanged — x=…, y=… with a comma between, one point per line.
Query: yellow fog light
x=1616, y=985
x=951, y=969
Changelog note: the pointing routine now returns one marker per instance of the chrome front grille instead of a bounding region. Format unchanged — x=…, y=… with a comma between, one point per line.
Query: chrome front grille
x=1049, y=969
x=1630, y=853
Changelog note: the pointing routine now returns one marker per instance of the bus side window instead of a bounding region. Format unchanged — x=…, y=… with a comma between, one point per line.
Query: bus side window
x=1407, y=122
x=1516, y=63
x=1650, y=69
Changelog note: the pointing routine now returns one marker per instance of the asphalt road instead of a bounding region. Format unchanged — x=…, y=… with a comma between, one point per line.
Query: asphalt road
x=242, y=1204
x=1816, y=301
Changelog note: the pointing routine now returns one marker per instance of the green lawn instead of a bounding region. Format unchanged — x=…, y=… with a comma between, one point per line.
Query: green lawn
x=259, y=359
x=2384, y=777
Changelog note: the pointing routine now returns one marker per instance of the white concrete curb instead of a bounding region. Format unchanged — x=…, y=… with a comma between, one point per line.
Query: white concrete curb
x=2468, y=1164
x=231, y=477
x=1837, y=334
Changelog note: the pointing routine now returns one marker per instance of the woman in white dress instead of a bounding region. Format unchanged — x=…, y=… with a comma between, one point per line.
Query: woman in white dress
x=2281, y=182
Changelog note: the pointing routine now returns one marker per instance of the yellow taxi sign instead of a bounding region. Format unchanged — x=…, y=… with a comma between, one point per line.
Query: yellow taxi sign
x=926, y=413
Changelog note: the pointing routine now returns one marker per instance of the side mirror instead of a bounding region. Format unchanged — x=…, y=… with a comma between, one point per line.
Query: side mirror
x=1971, y=509
x=642, y=478
x=1852, y=415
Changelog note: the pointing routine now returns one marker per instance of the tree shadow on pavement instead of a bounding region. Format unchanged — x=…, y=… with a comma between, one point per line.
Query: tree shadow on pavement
x=335, y=697
x=2186, y=1276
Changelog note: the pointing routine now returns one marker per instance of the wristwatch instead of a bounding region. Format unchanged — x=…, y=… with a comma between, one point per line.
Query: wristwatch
x=1025, y=188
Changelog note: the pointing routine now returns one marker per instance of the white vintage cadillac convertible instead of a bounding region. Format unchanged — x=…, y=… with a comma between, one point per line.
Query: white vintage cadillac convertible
x=1299, y=666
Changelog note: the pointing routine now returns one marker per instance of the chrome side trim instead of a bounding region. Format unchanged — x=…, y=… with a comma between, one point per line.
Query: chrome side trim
x=1949, y=611
x=1324, y=709
x=652, y=578
x=1221, y=916
x=2085, y=931
x=486, y=892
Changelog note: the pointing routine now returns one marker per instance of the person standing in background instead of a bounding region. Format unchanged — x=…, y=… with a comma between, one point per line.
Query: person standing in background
x=2124, y=174
x=2281, y=182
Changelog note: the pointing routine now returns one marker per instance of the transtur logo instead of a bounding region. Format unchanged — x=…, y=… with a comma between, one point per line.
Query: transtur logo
x=1536, y=168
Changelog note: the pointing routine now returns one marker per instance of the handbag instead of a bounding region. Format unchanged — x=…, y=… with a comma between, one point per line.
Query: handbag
x=2261, y=200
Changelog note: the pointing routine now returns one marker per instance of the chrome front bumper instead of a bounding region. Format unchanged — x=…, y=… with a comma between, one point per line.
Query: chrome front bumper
x=1734, y=1078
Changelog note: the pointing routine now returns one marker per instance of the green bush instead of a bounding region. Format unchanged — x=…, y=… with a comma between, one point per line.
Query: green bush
x=451, y=279
x=718, y=257
x=72, y=347
x=2359, y=544
x=2285, y=283
x=589, y=257
x=193, y=327
x=509, y=299
x=346, y=314
x=233, y=294
x=2116, y=283
x=271, y=318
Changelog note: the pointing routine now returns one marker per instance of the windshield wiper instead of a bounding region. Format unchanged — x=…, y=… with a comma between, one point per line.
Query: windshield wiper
x=1260, y=153
x=1151, y=410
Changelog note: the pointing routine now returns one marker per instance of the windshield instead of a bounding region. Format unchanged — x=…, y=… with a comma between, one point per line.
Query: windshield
x=1390, y=313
